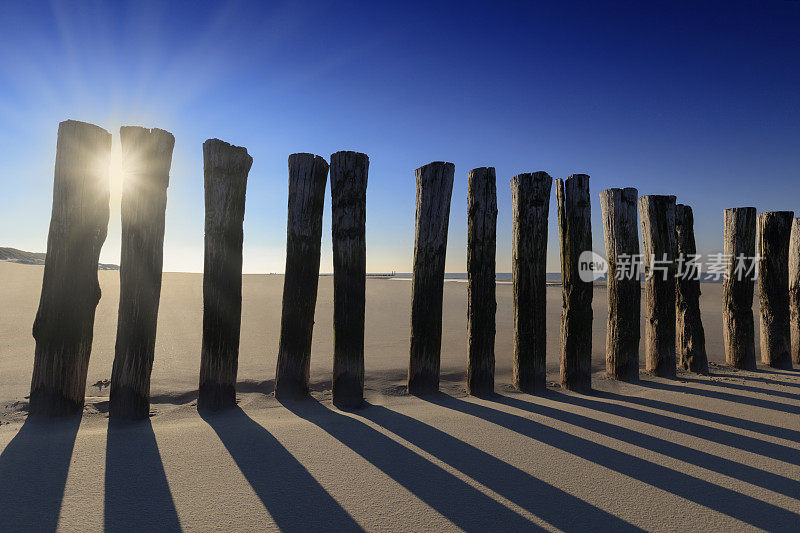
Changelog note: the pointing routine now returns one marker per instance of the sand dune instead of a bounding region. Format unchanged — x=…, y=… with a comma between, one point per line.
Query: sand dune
x=711, y=453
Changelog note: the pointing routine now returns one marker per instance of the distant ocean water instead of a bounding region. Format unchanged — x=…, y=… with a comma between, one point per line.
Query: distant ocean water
x=505, y=277
x=501, y=277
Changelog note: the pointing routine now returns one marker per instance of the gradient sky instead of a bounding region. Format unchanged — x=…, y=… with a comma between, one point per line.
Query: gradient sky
x=699, y=99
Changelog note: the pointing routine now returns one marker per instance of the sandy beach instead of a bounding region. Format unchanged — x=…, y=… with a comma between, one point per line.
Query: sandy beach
x=717, y=453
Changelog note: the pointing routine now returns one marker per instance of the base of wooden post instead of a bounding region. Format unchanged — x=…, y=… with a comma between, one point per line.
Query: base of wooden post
x=579, y=382
x=215, y=396
x=628, y=373
x=781, y=364
x=480, y=383
x=663, y=371
x=127, y=404
x=531, y=385
x=743, y=364
x=423, y=384
x=44, y=402
x=696, y=367
x=288, y=388
x=348, y=392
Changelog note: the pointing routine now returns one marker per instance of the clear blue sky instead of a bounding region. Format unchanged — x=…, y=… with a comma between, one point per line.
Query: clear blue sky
x=695, y=98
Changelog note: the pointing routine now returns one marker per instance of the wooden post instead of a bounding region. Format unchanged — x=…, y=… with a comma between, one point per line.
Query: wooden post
x=689, y=323
x=70, y=291
x=481, y=307
x=738, y=331
x=774, y=230
x=225, y=170
x=434, y=188
x=349, y=172
x=794, y=289
x=624, y=287
x=658, y=240
x=308, y=175
x=530, y=203
x=575, y=235
x=146, y=160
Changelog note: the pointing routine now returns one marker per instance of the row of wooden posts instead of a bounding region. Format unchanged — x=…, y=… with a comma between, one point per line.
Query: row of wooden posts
x=70, y=290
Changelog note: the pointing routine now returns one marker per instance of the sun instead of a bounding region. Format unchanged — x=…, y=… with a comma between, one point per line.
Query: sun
x=115, y=170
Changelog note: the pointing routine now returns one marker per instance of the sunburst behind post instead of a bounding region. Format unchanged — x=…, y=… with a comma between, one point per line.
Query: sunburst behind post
x=146, y=158
x=115, y=175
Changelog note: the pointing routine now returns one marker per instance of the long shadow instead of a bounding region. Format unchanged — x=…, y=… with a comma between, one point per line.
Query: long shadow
x=33, y=473
x=720, y=395
x=718, y=418
x=294, y=499
x=137, y=496
x=792, y=373
x=767, y=381
x=459, y=502
x=756, y=476
x=746, y=388
x=550, y=503
x=742, y=507
x=721, y=436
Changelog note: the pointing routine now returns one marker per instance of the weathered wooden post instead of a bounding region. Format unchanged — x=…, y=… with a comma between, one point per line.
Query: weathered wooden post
x=689, y=323
x=530, y=203
x=348, y=224
x=308, y=175
x=657, y=213
x=482, y=305
x=794, y=289
x=434, y=188
x=739, y=246
x=575, y=235
x=70, y=291
x=624, y=287
x=146, y=160
x=225, y=170
x=774, y=230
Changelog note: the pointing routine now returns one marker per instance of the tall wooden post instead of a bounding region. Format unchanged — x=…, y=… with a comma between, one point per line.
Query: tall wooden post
x=225, y=170
x=146, y=160
x=70, y=291
x=624, y=287
x=575, y=234
x=658, y=240
x=481, y=245
x=349, y=209
x=308, y=175
x=434, y=188
x=739, y=246
x=530, y=204
x=774, y=230
x=689, y=323
x=794, y=289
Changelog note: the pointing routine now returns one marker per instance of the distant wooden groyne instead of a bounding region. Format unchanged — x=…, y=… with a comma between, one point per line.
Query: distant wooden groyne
x=79, y=223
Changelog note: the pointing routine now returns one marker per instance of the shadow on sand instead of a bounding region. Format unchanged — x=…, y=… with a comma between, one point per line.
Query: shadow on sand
x=794, y=395
x=137, y=496
x=709, y=416
x=722, y=395
x=740, y=506
x=464, y=505
x=728, y=438
x=551, y=504
x=748, y=474
x=33, y=473
x=766, y=381
x=794, y=372
x=294, y=499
